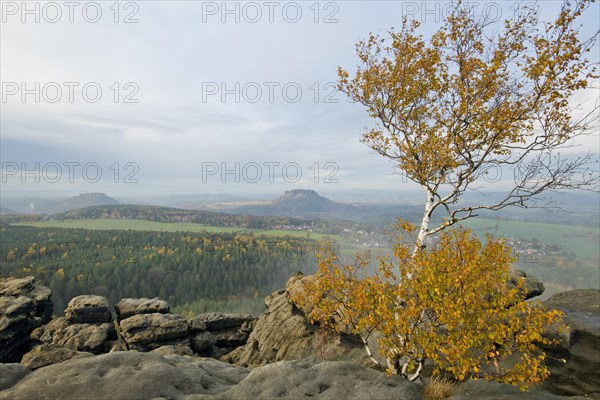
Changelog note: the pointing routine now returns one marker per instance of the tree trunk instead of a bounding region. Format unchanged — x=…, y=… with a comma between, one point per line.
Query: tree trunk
x=424, y=228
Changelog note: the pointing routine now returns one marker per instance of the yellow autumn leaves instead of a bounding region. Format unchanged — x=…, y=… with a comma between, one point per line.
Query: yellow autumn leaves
x=449, y=304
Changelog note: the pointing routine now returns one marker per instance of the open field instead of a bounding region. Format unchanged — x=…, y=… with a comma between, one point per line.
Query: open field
x=144, y=225
x=583, y=241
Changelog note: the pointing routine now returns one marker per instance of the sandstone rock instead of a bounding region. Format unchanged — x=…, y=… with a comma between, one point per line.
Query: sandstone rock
x=580, y=347
x=24, y=305
x=171, y=350
x=88, y=309
x=92, y=338
x=202, y=342
x=127, y=375
x=230, y=339
x=484, y=390
x=48, y=354
x=326, y=380
x=16, y=323
x=145, y=332
x=140, y=376
x=10, y=374
x=32, y=288
x=214, y=322
x=216, y=334
x=532, y=287
x=129, y=307
x=284, y=333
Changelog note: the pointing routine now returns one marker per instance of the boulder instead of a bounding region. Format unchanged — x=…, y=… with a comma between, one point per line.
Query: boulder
x=32, y=288
x=10, y=374
x=48, y=354
x=532, y=287
x=129, y=307
x=319, y=380
x=127, y=375
x=24, y=305
x=16, y=323
x=92, y=338
x=283, y=332
x=580, y=346
x=88, y=309
x=145, y=332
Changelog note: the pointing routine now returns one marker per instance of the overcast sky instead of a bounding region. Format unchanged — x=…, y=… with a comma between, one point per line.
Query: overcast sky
x=174, y=59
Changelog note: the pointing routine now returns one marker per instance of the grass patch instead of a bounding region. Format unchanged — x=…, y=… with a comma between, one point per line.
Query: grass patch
x=439, y=388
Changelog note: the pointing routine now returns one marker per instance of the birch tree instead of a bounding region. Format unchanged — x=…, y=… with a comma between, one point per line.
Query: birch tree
x=449, y=110
x=475, y=100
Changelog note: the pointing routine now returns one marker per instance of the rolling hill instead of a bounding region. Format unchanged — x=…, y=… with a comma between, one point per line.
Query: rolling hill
x=82, y=201
x=300, y=203
x=43, y=205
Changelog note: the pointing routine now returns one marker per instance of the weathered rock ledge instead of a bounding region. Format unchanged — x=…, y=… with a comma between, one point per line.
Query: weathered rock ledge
x=280, y=354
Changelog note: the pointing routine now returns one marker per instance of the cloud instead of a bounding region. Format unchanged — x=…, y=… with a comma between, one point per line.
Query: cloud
x=165, y=61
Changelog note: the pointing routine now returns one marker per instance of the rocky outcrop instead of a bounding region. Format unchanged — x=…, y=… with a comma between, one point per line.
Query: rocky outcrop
x=139, y=376
x=16, y=323
x=48, y=354
x=532, y=287
x=87, y=326
x=33, y=289
x=216, y=334
x=88, y=309
x=580, y=346
x=93, y=338
x=284, y=333
x=145, y=332
x=24, y=305
x=129, y=307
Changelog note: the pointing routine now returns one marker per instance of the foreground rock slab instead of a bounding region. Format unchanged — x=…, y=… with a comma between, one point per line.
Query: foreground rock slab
x=126, y=375
x=134, y=375
x=331, y=380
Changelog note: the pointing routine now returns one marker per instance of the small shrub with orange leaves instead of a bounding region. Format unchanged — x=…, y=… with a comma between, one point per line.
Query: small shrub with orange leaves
x=450, y=304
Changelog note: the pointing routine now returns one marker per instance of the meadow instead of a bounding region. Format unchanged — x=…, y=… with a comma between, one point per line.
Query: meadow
x=144, y=225
x=583, y=241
